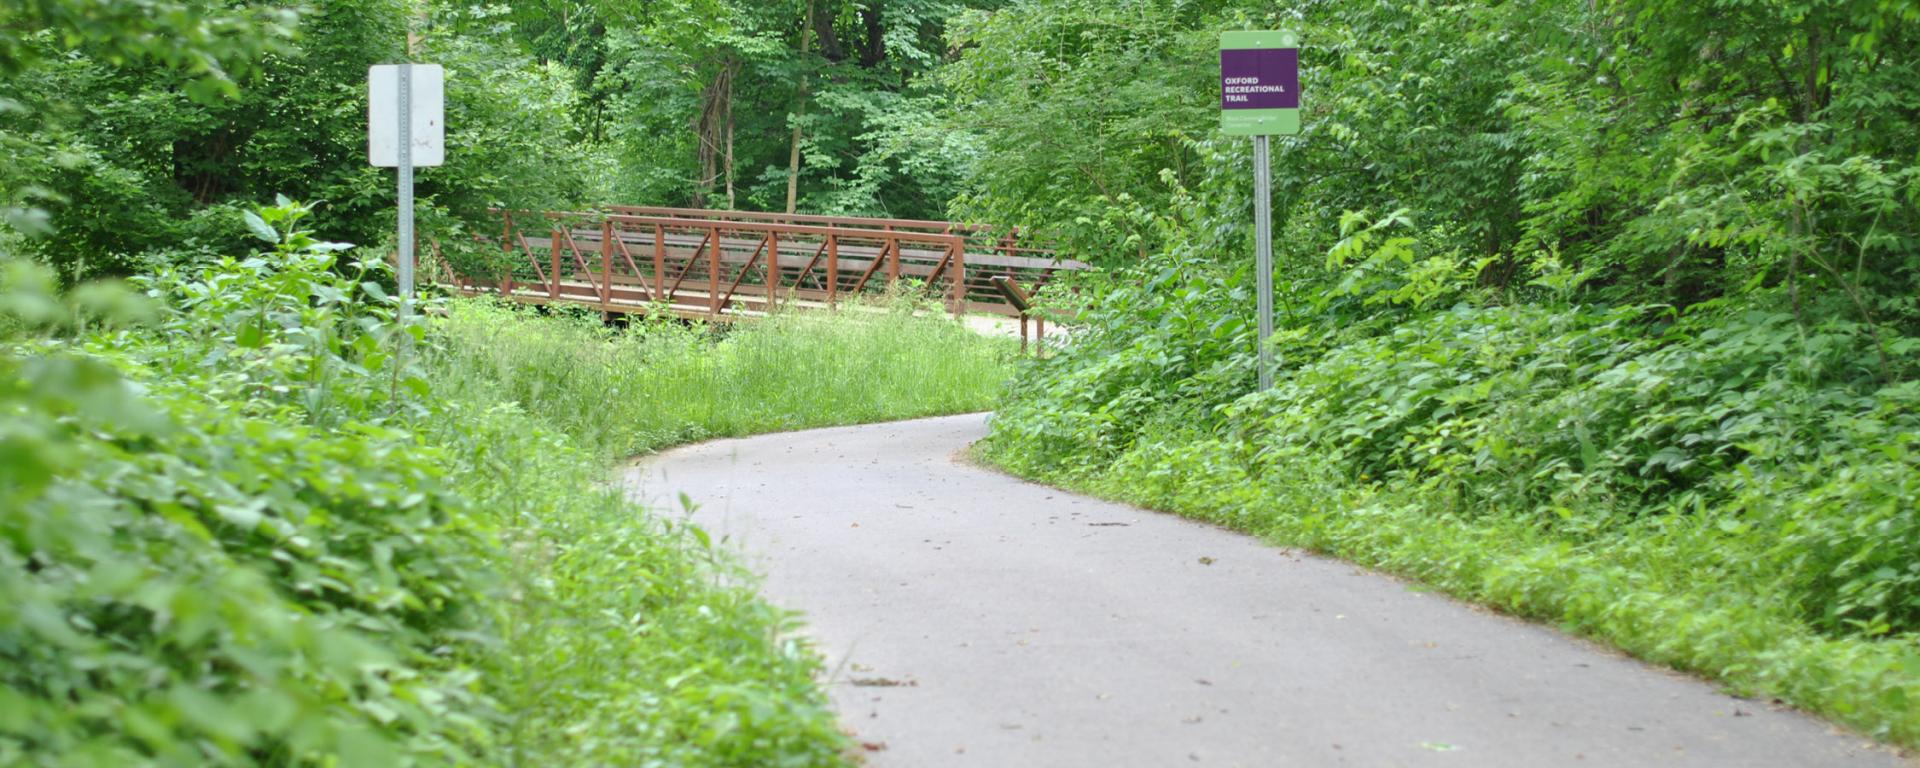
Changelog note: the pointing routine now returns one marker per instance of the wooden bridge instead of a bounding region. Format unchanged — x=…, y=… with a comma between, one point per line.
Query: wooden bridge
x=724, y=265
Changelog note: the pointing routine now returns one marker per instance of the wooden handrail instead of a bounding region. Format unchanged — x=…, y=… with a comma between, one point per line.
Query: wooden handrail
x=752, y=262
x=1010, y=289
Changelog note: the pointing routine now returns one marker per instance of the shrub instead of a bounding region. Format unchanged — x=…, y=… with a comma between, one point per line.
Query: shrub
x=253, y=533
x=1724, y=489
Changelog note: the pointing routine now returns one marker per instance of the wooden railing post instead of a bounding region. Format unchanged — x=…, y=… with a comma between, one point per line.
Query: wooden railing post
x=660, y=264
x=1021, y=303
x=553, y=272
x=958, y=278
x=833, y=267
x=893, y=267
x=713, y=273
x=505, y=284
x=606, y=269
x=773, y=269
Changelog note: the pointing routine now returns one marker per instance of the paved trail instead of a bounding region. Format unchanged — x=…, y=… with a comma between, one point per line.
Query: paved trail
x=975, y=620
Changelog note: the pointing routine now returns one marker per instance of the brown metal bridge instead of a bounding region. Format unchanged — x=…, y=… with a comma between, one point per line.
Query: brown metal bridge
x=725, y=265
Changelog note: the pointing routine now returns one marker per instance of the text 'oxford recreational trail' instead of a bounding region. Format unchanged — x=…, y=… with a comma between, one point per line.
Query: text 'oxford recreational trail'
x=1260, y=78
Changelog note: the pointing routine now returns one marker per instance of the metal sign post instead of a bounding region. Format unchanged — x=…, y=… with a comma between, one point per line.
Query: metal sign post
x=1259, y=97
x=404, y=196
x=1263, y=254
x=406, y=129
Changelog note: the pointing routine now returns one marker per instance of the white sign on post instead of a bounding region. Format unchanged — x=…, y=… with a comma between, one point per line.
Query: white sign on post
x=406, y=128
x=427, y=98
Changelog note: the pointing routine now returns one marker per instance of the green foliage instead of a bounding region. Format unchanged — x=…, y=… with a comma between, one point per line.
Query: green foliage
x=207, y=42
x=1672, y=157
x=190, y=587
x=195, y=47
x=116, y=170
x=1080, y=105
x=197, y=571
x=247, y=532
x=111, y=167
x=1632, y=347
x=1728, y=478
x=695, y=102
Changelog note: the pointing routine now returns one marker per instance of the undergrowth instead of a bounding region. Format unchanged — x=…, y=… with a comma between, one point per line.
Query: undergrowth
x=1726, y=489
x=240, y=529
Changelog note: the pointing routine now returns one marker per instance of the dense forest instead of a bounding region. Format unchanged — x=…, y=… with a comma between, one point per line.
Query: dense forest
x=1605, y=313
x=694, y=102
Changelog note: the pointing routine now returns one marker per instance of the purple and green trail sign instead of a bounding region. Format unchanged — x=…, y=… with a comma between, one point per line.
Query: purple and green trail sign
x=1260, y=97
x=1259, y=83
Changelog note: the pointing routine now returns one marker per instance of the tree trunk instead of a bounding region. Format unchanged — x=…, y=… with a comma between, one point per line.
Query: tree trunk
x=875, y=50
x=712, y=128
x=729, y=160
x=800, y=111
x=823, y=27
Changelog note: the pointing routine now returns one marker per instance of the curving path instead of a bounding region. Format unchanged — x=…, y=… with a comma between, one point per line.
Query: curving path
x=972, y=619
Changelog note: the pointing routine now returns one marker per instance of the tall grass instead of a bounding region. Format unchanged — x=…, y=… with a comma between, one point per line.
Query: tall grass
x=658, y=383
x=627, y=638
x=632, y=640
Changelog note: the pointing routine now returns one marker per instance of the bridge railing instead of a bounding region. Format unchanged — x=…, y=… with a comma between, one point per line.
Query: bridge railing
x=631, y=259
x=981, y=238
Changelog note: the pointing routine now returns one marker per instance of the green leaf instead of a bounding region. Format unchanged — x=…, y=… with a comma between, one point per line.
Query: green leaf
x=260, y=228
x=249, y=335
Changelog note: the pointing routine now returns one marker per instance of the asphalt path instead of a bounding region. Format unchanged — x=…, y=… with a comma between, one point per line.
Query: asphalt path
x=971, y=619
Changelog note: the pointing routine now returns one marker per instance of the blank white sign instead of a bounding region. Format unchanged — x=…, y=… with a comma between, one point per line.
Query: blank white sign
x=429, y=119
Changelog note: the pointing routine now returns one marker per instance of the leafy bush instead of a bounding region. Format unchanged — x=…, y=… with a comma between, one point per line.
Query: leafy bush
x=1724, y=489
x=208, y=562
x=251, y=533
